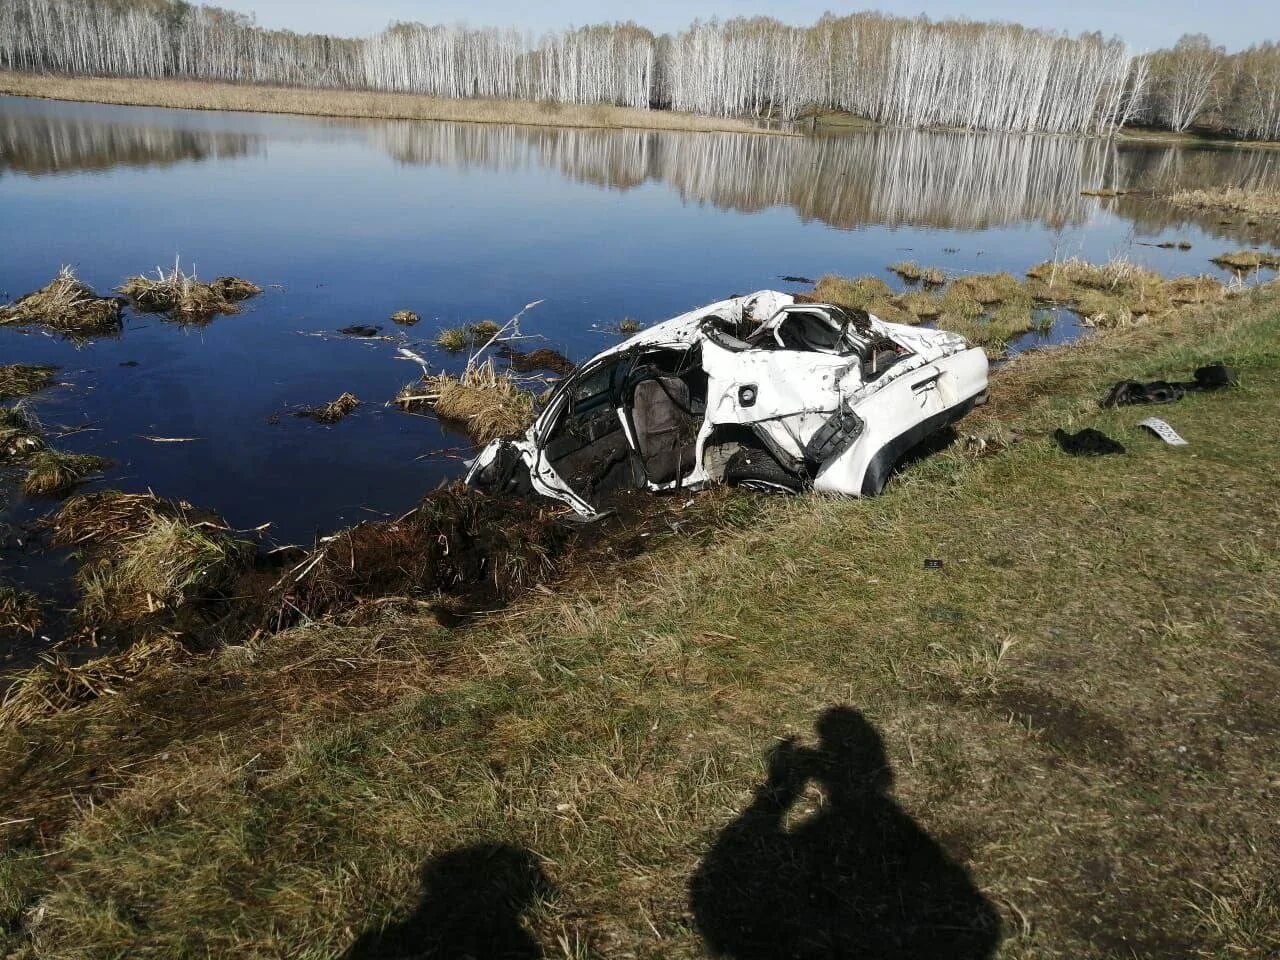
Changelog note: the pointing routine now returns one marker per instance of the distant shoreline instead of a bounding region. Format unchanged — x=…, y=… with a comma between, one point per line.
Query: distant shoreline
x=360, y=104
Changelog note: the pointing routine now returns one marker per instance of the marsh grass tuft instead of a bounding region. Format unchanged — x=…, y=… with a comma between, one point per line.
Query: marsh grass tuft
x=24, y=379
x=1243, y=261
x=908, y=270
x=163, y=567
x=405, y=318
x=67, y=306
x=486, y=403
x=146, y=558
x=1259, y=203
x=457, y=339
x=994, y=309
x=184, y=297
x=629, y=325
x=54, y=473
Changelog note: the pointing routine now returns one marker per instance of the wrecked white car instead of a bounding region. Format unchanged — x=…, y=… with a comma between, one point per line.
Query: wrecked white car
x=758, y=391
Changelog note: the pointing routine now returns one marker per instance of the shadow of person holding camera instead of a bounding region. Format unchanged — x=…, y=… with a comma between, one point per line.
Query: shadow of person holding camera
x=472, y=907
x=858, y=879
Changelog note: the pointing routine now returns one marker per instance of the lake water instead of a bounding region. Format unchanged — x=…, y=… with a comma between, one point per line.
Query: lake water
x=345, y=222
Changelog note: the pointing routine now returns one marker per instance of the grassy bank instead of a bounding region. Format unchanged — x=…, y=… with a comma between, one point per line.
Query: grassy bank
x=195, y=95
x=1080, y=706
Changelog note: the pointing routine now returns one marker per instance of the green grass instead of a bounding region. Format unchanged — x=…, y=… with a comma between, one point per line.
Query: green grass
x=1081, y=705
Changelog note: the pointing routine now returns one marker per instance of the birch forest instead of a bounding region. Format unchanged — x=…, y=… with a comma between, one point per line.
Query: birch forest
x=909, y=72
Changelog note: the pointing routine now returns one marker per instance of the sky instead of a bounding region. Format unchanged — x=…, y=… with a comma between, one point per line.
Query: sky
x=1145, y=24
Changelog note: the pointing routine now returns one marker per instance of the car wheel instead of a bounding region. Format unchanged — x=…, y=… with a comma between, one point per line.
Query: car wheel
x=753, y=469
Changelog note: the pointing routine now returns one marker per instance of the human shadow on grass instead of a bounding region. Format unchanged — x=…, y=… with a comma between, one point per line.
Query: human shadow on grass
x=473, y=899
x=858, y=879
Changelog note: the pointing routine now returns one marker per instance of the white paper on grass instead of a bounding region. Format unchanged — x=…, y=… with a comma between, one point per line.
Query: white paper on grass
x=1162, y=430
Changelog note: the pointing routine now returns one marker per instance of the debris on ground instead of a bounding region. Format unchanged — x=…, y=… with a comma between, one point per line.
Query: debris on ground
x=67, y=306
x=1213, y=376
x=1162, y=430
x=405, y=318
x=184, y=297
x=360, y=330
x=456, y=541
x=23, y=379
x=54, y=473
x=486, y=403
x=976, y=446
x=544, y=358
x=1087, y=443
x=20, y=433
x=20, y=612
x=333, y=411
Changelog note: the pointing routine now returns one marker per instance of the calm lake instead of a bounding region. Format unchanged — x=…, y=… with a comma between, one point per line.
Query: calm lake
x=344, y=222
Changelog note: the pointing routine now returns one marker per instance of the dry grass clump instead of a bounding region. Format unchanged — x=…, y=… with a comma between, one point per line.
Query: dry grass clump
x=96, y=519
x=932, y=277
x=54, y=473
x=406, y=318
x=1259, y=203
x=145, y=555
x=183, y=297
x=333, y=411
x=67, y=306
x=908, y=270
x=56, y=686
x=487, y=404
x=23, y=379
x=20, y=611
x=630, y=325
x=1244, y=260
x=1202, y=289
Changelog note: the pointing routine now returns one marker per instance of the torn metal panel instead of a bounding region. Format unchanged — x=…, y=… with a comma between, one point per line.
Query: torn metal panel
x=757, y=390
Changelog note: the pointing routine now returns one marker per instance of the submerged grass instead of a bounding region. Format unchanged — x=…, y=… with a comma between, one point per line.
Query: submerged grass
x=992, y=310
x=23, y=379
x=1077, y=705
x=333, y=411
x=67, y=306
x=55, y=473
x=20, y=612
x=486, y=403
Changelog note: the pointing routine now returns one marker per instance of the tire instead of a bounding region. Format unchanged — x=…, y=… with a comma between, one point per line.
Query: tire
x=753, y=469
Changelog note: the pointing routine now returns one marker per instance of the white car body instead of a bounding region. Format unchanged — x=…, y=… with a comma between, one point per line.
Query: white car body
x=809, y=396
